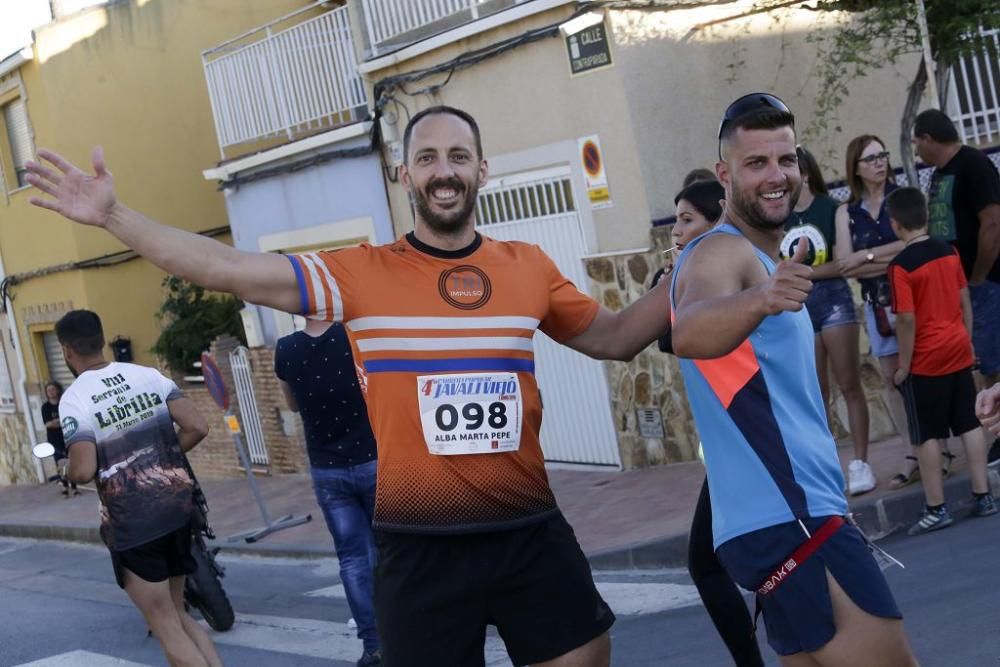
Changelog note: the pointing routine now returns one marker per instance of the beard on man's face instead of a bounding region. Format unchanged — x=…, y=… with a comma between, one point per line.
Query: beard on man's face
x=750, y=210
x=448, y=221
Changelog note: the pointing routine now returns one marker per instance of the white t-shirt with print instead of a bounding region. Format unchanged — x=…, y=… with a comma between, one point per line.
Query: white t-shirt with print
x=142, y=476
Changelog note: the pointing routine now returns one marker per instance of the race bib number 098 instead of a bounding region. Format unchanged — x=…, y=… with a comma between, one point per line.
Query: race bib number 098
x=470, y=414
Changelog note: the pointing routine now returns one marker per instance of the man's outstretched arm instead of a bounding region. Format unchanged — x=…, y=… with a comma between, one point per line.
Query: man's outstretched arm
x=260, y=278
x=624, y=334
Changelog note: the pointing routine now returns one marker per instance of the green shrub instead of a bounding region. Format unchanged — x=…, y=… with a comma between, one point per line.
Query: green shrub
x=191, y=320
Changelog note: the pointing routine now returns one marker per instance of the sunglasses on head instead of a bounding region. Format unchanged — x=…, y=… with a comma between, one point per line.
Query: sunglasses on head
x=875, y=157
x=746, y=105
x=749, y=104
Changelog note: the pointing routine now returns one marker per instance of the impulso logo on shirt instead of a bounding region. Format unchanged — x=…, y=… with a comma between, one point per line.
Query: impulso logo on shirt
x=465, y=287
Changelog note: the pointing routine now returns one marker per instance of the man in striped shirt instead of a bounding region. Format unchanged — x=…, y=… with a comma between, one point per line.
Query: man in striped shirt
x=467, y=529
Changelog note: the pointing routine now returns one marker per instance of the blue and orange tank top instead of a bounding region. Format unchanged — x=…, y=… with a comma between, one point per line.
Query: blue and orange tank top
x=769, y=453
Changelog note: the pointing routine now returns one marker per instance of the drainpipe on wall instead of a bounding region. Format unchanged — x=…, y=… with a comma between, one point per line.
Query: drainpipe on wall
x=22, y=394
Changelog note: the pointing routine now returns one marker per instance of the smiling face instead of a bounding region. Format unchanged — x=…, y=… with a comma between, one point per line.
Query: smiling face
x=761, y=175
x=443, y=173
x=690, y=224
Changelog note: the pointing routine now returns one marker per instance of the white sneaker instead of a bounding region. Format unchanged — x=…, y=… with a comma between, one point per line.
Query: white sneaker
x=860, y=478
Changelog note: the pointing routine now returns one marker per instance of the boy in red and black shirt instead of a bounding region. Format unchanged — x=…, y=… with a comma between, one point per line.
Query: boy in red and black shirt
x=930, y=297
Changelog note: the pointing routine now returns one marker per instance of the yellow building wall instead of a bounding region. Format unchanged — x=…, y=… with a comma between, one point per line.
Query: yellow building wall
x=127, y=76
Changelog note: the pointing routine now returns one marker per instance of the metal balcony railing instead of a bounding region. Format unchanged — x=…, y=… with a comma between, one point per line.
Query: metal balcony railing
x=974, y=96
x=268, y=82
x=391, y=24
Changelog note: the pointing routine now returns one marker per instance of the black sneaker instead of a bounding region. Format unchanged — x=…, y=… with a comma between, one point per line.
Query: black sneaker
x=993, y=458
x=370, y=658
x=931, y=520
x=983, y=505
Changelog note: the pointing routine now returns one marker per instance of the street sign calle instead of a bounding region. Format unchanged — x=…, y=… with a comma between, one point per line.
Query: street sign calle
x=589, y=50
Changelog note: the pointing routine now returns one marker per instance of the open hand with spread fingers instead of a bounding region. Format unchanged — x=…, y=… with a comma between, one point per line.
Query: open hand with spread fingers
x=789, y=285
x=72, y=192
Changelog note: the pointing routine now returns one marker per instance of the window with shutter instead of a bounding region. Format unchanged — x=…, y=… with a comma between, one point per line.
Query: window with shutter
x=58, y=368
x=15, y=117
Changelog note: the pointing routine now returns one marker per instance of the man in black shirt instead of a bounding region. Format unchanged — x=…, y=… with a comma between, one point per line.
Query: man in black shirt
x=53, y=432
x=319, y=381
x=964, y=204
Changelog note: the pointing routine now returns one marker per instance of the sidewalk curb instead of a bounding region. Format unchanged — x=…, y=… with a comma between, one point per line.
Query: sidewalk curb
x=92, y=535
x=879, y=518
x=44, y=531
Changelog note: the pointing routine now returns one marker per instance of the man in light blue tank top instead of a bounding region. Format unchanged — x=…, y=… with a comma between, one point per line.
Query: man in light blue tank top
x=746, y=345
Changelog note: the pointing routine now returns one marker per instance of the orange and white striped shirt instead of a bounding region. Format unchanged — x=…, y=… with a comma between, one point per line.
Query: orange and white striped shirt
x=463, y=322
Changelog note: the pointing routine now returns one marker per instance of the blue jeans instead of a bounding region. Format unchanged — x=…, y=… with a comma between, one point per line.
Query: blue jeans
x=347, y=498
x=986, y=325
x=831, y=304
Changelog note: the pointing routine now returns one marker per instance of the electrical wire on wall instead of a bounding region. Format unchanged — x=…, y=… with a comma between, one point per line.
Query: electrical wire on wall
x=299, y=165
x=110, y=259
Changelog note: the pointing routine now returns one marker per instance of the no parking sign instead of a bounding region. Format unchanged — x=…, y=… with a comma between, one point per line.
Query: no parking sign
x=213, y=381
x=594, y=175
x=217, y=388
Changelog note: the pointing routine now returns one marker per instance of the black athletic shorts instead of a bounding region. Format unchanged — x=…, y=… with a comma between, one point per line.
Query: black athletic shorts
x=939, y=404
x=435, y=595
x=157, y=560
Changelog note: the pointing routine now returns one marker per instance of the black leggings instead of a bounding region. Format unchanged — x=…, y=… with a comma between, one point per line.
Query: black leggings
x=721, y=597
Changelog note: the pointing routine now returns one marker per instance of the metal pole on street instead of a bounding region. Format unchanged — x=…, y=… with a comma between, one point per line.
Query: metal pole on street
x=217, y=388
x=270, y=526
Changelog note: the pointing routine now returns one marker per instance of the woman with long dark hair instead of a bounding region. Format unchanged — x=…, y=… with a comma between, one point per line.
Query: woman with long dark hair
x=53, y=431
x=831, y=309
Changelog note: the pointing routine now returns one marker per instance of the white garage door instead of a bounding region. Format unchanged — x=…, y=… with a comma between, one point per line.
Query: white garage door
x=540, y=207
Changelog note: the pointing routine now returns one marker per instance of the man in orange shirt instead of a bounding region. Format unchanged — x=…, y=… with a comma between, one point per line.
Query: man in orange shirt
x=467, y=528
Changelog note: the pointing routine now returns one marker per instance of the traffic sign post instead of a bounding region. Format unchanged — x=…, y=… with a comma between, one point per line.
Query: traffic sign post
x=217, y=388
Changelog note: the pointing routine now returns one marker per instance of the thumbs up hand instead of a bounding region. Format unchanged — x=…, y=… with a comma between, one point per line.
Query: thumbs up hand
x=787, y=288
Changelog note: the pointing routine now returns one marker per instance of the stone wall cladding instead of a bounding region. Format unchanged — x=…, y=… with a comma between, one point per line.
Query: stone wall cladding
x=16, y=465
x=653, y=379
